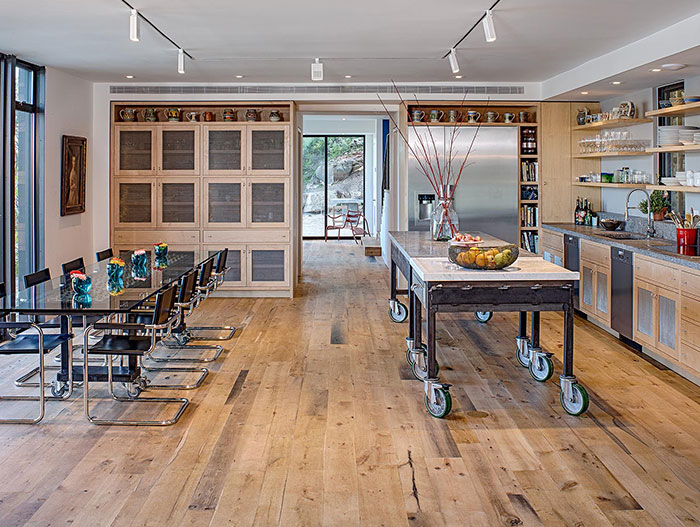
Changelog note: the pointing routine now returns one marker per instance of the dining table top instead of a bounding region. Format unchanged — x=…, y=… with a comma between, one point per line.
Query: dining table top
x=57, y=297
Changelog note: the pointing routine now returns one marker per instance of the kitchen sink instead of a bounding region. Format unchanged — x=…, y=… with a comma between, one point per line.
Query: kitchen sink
x=622, y=235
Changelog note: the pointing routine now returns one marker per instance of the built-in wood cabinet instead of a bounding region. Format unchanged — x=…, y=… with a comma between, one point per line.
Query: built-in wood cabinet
x=207, y=185
x=553, y=247
x=690, y=320
x=594, y=267
x=656, y=301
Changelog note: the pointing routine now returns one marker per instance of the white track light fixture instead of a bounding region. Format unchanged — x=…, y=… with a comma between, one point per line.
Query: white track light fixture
x=317, y=70
x=489, y=28
x=181, y=61
x=452, y=57
x=134, y=26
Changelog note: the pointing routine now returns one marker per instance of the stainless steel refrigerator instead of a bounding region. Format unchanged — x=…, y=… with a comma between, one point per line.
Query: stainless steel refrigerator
x=486, y=198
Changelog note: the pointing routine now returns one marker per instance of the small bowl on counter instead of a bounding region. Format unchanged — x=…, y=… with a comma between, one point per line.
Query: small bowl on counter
x=610, y=224
x=483, y=257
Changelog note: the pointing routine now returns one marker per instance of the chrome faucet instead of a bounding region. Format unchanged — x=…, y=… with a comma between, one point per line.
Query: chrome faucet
x=650, y=223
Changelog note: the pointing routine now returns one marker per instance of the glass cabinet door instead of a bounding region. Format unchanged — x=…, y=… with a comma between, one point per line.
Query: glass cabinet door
x=134, y=151
x=223, y=203
x=602, y=294
x=179, y=150
x=268, y=265
x=587, y=293
x=268, y=149
x=235, y=261
x=224, y=150
x=134, y=202
x=644, y=314
x=666, y=321
x=178, y=202
x=268, y=202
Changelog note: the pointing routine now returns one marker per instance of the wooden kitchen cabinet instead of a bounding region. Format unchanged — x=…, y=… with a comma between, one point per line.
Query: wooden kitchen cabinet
x=268, y=266
x=268, y=203
x=552, y=247
x=236, y=261
x=134, y=149
x=594, y=267
x=178, y=150
x=657, y=317
x=134, y=202
x=223, y=203
x=224, y=147
x=690, y=320
x=178, y=203
x=267, y=149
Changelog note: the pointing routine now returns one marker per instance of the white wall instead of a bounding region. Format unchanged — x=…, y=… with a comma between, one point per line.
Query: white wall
x=68, y=112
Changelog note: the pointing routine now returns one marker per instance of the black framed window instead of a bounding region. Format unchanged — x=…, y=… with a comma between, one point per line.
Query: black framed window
x=22, y=90
x=333, y=182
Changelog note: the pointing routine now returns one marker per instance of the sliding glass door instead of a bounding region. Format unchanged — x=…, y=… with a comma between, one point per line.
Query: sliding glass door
x=333, y=172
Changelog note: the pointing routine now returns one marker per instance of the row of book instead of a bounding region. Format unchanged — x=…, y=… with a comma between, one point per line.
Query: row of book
x=530, y=241
x=529, y=171
x=529, y=216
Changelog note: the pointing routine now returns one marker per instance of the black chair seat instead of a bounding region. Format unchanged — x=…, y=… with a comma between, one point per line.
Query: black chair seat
x=30, y=343
x=138, y=318
x=121, y=345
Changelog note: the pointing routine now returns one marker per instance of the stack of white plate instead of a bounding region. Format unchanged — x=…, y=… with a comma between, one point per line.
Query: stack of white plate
x=671, y=135
x=687, y=136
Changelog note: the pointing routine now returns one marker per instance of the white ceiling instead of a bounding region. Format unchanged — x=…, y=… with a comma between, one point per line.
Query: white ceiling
x=372, y=40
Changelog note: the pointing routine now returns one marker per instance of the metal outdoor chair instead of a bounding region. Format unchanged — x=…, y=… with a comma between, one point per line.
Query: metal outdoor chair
x=336, y=221
x=357, y=223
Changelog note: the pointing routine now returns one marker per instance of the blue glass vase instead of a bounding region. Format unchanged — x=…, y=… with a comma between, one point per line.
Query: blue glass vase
x=115, y=287
x=161, y=262
x=160, y=250
x=115, y=271
x=139, y=266
x=82, y=301
x=81, y=284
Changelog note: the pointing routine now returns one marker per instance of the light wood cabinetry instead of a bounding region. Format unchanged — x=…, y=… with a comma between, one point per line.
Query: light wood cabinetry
x=594, y=296
x=690, y=320
x=657, y=306
x=553, y=247
x=203, y=186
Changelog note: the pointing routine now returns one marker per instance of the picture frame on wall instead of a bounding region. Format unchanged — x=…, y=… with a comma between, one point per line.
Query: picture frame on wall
x=73, y=175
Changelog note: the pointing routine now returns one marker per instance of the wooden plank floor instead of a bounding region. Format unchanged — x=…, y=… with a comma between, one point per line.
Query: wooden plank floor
x=311, y=418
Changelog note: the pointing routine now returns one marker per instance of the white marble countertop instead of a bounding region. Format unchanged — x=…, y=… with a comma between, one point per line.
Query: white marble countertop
x=529, y=269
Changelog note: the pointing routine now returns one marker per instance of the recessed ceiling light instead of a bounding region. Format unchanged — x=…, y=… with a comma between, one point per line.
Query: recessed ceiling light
x=616, y=82
x=348, y=76
x=239, y=76
x=129, y=76
x=343, y=118
x=655, y=70
x=584, y=93
x=458, y=76
x=673, y=67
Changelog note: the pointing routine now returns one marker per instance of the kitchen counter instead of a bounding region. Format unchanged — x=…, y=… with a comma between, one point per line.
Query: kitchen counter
x=658, y=248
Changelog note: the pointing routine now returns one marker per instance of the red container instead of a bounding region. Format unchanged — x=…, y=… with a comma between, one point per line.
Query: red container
x=687, y=236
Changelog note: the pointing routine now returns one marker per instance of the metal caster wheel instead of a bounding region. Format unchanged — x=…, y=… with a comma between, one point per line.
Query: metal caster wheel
x=409, y=354
x=522, y=354
x=580, y=401
x=59, y=388
x=133, y=389
x=541, y=367
x=483, y=316
x=442, y=405
x=181, y=338
x=400, y=314
x=420, y=369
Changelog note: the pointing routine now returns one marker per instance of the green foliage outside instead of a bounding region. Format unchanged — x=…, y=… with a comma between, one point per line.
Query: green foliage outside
x=313, y=152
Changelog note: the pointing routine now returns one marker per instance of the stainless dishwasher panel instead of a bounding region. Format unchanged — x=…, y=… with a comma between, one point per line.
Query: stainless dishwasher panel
x=621, y=284
x=572, y=260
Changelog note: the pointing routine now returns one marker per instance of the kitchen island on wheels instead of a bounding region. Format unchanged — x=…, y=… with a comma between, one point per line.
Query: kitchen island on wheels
x=438, y=286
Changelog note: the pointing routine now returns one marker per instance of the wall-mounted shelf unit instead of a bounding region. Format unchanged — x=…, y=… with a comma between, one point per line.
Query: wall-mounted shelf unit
x=596, y=155
x=611, y=123
x=675, y=148
x=676, y=111
x=674, y=188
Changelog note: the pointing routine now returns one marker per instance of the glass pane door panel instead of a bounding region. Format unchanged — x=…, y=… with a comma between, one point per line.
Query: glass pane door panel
x=135, y=203
x=24, y=185
x=233, y=261
x=267, y=201
x=267, y=149
x=346, y=175
x=178, y=150
x=267, y=265
x=667, y=322
x=178, y=203
x=224, y=205
x=313, y=170
x=645, y=312
x=224, y=150
x=135, y=150
x=602, y=292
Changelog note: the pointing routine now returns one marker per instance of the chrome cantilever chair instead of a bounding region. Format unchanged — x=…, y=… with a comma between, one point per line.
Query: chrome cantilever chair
x=208, y=283
x=187, y=301
x=135, y=340
x=103, y=255
x=74, y=265
x=28, y=344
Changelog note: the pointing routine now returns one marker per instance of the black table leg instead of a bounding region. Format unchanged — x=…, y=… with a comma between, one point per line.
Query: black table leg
x=522, y=351
x=568, y=361
x=535, y=330
x=431, y=355
x=573, y=397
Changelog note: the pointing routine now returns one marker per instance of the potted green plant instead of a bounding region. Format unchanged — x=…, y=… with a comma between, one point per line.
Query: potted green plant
x=659, y=203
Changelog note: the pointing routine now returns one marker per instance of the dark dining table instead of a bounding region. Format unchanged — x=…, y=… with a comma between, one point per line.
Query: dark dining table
x=57, y=299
